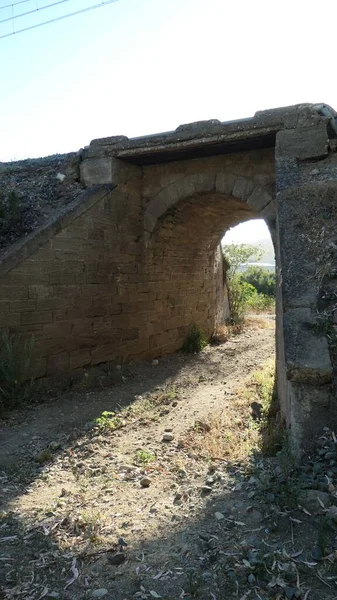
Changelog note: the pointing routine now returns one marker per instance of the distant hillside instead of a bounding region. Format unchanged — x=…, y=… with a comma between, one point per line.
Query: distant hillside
x=266, y=245
x=268, y=250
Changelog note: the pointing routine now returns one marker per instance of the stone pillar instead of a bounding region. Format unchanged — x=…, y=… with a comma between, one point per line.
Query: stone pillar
x=306, y=186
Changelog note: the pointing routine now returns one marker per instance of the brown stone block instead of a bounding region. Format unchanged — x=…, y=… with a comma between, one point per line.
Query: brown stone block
x=44, y=254
x=34, y=331
x=66, y=291
x=101, y=324
x=59, y=329
x=80, y=358
x=13, y=292
x=120, y=321
x=52, y=346
x=62, y=278
x=10, y=319
x=139, y=297
x=98, y=311
x=38, y=317
x=40, y=292
x=130, y=334
x=58, y=364
x=22, y=306
x=59, y=243
x=134, y=307
x=138, y=319
x=90, y=289
x=39, y=368
x=83, y=301
x=101, y=300
x=104, y=353
x=137, y=346
x=81, y=327
x=55, y=303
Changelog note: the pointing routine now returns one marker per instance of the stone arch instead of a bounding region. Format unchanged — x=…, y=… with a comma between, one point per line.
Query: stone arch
x=259, y=198
x=183, y=258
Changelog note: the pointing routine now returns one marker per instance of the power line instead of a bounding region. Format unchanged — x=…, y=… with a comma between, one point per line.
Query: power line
x=29, y=12
x=73, y=14
x=14, y=4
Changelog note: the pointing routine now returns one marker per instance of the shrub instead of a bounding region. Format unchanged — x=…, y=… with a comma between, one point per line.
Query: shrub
x=261, y=279
x=195, y=340
x=15, y=365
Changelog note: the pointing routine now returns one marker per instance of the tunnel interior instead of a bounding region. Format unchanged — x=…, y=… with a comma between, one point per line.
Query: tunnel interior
x=185, y=261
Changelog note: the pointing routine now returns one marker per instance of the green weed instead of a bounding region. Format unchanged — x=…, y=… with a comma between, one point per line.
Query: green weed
x=108, y=421
x=144, y=457
x=195, y=340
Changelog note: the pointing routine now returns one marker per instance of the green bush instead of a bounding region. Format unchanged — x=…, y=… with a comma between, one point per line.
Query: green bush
x=15, y=365
x=239, y=293
x=260, y=302
x=195, y=340
x=261, y=279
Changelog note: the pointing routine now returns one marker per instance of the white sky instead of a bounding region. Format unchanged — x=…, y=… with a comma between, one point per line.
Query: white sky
x=247, y=232
x=142, y=66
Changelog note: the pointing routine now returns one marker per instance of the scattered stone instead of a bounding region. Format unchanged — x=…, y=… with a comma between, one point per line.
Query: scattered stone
x=251, y=578
x=206, y=489
x=116, y=559
x=316, y=553
x=315, y=500
x=167, y=437
x=100, y=593
x=333, y=513
x=155, y=362
x=290, y=592
x=54, y=446
x=182, y=473
x=145, y=482
x=219, y=516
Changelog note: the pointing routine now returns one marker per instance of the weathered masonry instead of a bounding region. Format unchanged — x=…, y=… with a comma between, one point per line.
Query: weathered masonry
x=124, y=272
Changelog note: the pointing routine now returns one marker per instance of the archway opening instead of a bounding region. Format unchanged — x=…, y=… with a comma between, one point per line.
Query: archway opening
x=185, y=264
x=249, y=256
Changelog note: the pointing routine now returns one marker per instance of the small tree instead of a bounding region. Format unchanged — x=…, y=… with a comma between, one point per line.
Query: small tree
x=239, y=291
x=263, y=280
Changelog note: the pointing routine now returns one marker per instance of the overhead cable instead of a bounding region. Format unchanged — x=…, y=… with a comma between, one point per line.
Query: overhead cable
x=73, y=14
x=29, y=12
x=14, y=4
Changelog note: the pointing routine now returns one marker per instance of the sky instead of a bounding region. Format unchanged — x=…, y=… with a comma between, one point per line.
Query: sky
x=136, y=67
x=247, y=232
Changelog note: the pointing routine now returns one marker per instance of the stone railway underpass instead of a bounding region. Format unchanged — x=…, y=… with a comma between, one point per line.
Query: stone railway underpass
x=124, y=270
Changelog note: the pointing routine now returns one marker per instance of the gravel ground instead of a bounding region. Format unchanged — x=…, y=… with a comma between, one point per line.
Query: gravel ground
x=136, y=505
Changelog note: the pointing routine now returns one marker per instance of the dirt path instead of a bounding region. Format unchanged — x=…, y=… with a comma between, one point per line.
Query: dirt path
x=203, y=380
x=90, y=511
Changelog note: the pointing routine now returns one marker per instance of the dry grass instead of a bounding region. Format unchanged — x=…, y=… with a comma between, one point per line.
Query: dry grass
x=225, y=332
x=232, y=434
x=256, y=322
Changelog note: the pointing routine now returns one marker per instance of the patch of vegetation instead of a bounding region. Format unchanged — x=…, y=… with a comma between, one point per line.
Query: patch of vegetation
x=109, y=420
x=263, y=280
x=15, y=367
x=251, y=290
x=144, y=457
x=195, y=340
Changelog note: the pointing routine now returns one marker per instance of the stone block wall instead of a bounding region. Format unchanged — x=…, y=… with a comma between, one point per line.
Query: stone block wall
x=306, y=170
x=72, y=286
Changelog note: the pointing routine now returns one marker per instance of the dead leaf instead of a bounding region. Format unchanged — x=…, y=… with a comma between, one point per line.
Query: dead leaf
x=75, y=573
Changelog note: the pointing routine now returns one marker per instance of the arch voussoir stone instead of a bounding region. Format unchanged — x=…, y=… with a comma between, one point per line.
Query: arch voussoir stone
x=259, y=199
